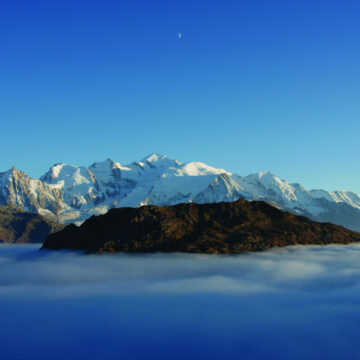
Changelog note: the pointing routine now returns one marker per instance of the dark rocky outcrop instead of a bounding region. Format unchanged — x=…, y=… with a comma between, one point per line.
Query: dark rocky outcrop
x=219, y=228
x=19, y=226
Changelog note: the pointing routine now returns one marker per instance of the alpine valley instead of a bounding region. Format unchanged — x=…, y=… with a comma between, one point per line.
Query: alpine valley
x=71, y=194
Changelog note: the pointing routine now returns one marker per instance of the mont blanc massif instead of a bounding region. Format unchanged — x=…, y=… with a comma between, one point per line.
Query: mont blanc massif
x=71, y=194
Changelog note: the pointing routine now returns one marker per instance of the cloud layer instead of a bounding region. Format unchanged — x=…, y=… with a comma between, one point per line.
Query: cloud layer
x=290, y=303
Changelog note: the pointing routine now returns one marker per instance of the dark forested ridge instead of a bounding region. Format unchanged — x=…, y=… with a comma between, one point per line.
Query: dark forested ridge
x=19, y=226
x=219, y=228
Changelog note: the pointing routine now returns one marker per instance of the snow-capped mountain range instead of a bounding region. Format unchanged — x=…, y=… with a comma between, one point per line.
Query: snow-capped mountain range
x=70, y=193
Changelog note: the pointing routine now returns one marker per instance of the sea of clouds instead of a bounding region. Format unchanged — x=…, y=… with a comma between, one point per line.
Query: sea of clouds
x=290, y=303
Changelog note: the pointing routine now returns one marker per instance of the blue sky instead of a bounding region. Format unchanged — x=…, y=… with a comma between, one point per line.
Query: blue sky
x=251, y=85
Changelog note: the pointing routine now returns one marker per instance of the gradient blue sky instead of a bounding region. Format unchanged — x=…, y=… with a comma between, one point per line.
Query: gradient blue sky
x=251, y=86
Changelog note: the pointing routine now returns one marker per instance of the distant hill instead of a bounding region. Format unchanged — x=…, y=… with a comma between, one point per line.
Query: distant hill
x=220, y=228
x=19, y=226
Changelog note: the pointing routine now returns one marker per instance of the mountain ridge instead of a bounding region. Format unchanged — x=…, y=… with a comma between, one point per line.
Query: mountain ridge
x=19, y=226
x=218, y=228
x=68, y=193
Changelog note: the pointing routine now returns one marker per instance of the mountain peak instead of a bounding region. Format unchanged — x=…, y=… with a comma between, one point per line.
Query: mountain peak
x=53, y=172
x=266, y=174
x=13, y=171
x=196, y=168
x=103, y=164
x=262, y=175
x=9, y=172
x=156, y=159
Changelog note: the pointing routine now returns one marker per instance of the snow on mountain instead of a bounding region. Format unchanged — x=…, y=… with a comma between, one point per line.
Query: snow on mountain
x=160, y=161
x=32, y=195
x=73, y=193
x=345, y=196
x=268, y=187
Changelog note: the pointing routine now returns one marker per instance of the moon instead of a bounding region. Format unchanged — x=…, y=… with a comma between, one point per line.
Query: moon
x=179, y=35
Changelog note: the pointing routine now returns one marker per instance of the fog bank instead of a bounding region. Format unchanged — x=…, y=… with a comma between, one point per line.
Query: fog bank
x=291, y=303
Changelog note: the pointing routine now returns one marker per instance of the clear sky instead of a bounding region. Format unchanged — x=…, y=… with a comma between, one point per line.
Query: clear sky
x=250, y=86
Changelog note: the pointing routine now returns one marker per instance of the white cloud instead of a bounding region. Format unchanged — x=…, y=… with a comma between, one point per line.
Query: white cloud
x=296, y=302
